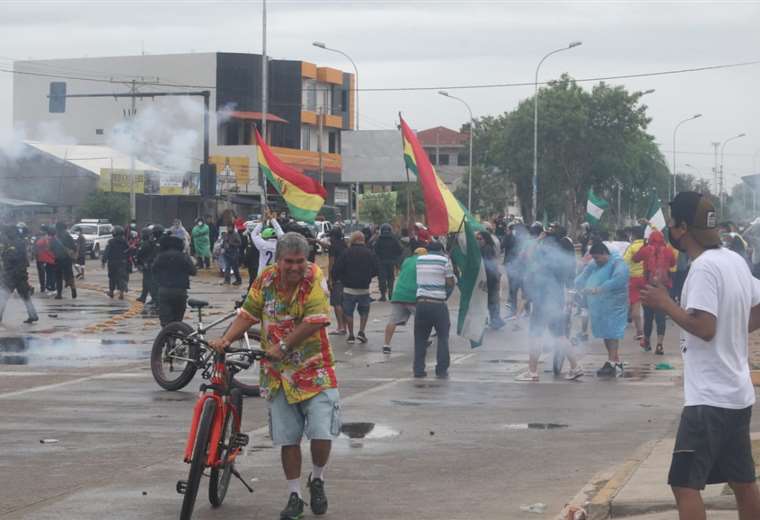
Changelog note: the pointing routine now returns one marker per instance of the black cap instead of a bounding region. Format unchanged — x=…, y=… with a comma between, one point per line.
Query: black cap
x=699, y=214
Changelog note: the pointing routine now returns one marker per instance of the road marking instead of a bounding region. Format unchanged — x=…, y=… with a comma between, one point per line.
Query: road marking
x=25, y=374
x=47, y=387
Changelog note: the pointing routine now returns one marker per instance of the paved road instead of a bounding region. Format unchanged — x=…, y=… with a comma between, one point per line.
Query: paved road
x=454, y=449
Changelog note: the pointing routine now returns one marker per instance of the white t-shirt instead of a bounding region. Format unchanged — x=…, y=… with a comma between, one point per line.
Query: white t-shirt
x=266, y=246
x=618, y=246
x=716, y=372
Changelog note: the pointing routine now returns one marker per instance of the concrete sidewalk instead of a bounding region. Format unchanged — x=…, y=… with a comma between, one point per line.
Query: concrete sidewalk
x=637, y=489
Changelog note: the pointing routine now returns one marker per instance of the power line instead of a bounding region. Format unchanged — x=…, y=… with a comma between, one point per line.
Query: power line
x=441, y=87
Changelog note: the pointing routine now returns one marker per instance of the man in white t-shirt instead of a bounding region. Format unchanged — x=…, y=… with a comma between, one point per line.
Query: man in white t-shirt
x=266, y=241
x=718, y=299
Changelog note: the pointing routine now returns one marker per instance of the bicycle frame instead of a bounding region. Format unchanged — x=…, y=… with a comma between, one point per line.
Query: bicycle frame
x=219, y=383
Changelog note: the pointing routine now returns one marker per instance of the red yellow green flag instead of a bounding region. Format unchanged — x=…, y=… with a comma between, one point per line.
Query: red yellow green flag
x=303, y=195
x=443, y=211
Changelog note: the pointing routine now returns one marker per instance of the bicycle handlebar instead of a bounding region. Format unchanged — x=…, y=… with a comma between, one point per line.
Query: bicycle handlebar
x=254, y=354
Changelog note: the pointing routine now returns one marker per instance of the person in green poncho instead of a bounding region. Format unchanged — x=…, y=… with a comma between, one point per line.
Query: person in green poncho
x=202, y=244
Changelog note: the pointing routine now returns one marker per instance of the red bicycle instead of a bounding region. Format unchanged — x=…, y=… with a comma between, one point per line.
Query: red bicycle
x=215, y=439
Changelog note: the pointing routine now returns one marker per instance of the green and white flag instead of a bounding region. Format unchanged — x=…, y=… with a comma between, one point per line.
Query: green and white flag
x=655, y=215
x=473, y=292
x=595, y=207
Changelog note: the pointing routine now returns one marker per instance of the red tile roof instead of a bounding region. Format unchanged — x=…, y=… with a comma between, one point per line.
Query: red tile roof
x=442, y=136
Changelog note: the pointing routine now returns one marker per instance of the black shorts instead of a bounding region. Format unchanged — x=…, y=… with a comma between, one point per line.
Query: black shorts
x=712, y=446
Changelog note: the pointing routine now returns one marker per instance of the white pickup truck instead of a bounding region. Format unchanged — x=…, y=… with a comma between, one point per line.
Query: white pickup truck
x=97, y=233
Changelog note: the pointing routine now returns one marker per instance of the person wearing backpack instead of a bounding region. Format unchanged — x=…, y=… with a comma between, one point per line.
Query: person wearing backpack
x=657, y=259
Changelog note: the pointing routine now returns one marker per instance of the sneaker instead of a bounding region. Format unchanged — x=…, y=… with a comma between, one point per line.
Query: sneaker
x=31, y=319
x=294, y=509
x=572, y=375
x=442, y=375
x=351, y=339
x=528, y=376
x=644, y=344
x=420, y=375
x=659, y=351
x=362, y=337
x=386, y=349
x=618, y=369
x=318, y=500
x=606, y=371
x=337, y=333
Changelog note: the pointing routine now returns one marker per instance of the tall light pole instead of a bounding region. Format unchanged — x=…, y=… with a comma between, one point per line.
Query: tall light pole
x=535, y=127
x=675, y=130
x=324, y=46
x=472, y=131
x=722, y=150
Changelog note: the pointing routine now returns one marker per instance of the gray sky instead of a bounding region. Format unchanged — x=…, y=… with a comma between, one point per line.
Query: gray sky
x=442, y=43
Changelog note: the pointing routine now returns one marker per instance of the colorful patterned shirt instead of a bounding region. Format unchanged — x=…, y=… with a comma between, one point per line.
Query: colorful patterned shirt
x=310, y=367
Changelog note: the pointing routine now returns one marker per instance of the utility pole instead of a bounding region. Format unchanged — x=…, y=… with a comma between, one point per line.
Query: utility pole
x=264, y=92
x=715, y=168
x=132, y=195
x=320, y=127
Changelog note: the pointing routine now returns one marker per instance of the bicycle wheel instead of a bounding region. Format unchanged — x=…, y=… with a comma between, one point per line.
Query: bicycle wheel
x=248, y=389
x=220, y=477
x=170, y=372
x=198, y=462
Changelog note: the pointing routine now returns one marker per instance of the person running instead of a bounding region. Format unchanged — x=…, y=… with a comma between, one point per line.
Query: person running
x=404, y=297
x=355, y=269
x=605, y=282
x=116, y=256
x=172, y=270
x=15, y=276
x=553, y=274
x=720, y=305
x=298, y=375
x=657, y=259
x=435, y=281
x=265, y=240
x=388, y=251
x=336, y=248
x=637, y=280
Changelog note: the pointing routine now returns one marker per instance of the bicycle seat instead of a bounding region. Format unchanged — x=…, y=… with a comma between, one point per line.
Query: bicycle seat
x=197, y=304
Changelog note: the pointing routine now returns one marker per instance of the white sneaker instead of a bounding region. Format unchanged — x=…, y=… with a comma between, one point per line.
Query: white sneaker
x=572, y=375
x=618, y=369
x=528, y=376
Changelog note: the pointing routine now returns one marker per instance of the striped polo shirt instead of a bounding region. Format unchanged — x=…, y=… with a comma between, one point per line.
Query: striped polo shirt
x=432, y=271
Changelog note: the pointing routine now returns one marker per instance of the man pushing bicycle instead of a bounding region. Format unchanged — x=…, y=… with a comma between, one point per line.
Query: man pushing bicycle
x=298, y=380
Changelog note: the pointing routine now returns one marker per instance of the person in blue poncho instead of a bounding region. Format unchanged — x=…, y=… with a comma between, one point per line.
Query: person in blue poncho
x=605, y=282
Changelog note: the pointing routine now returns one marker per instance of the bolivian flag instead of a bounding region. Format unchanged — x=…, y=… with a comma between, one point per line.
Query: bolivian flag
x=443, y=211
x=304, y=196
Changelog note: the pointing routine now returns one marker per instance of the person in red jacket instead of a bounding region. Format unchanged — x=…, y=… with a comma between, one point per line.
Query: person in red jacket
x=657, y=258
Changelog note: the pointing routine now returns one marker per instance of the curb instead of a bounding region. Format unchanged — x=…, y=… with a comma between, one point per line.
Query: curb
x=597, y=495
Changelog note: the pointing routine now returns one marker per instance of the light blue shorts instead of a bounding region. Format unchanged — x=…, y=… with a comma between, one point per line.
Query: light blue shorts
x=318, y=418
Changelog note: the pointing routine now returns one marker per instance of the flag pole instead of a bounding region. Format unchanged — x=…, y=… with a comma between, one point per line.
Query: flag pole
x=408, y=182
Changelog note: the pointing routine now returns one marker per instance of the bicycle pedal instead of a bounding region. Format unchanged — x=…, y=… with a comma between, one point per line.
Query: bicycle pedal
x=239, y=440
x=182, y=487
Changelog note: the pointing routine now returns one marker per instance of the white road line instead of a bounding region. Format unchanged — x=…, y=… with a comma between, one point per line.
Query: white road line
x=25, y=374
x=46, y=387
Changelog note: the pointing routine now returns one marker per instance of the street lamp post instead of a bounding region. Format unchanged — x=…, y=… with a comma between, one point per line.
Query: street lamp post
x=535, y=127
x=324, y=46
x=472, y=131
x=675, y=175
x=722, y=150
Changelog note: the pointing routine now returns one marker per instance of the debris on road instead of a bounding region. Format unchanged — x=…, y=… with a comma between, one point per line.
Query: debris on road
x=538, y=508
x=48, y=441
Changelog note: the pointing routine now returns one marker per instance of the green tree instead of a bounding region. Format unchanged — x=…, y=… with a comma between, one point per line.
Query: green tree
x=587, y=139
x=106, y=204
